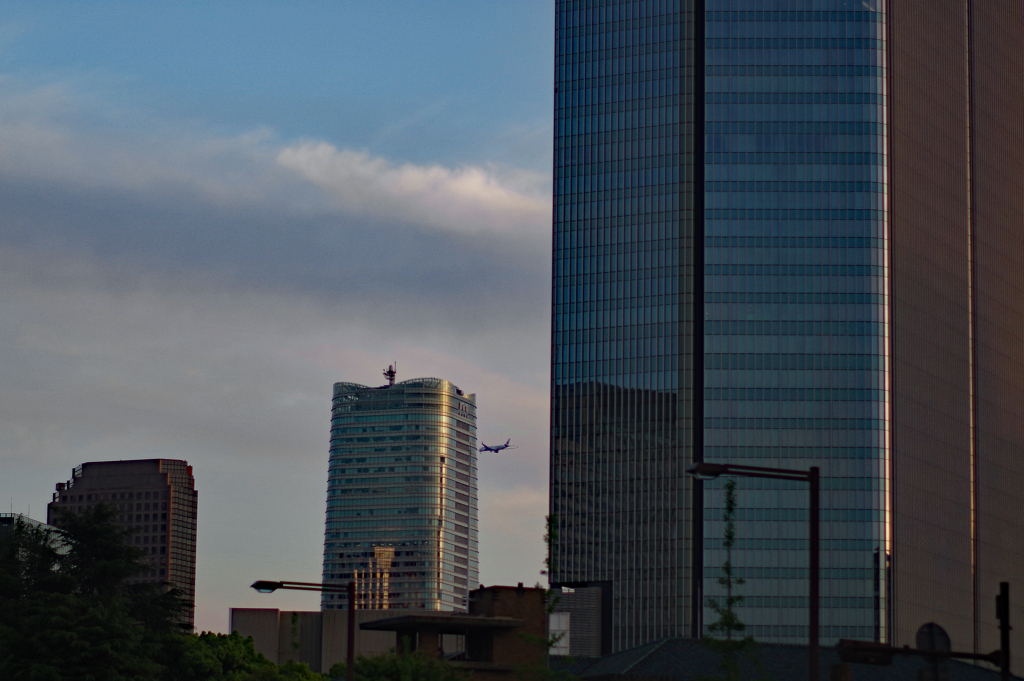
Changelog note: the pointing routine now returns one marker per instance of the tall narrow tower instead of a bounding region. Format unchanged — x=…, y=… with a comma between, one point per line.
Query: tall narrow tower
x=402, y=495
x=788, y=233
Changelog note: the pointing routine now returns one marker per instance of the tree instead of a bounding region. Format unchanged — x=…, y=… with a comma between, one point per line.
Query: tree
x=395, y=666
x=65, y=612
x=728, y=623
x=216, y=657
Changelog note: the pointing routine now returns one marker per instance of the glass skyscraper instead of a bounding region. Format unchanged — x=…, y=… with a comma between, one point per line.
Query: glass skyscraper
x=788, y=233
x=402, y=496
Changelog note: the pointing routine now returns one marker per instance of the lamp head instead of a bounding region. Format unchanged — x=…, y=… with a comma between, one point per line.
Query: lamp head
x=265, y=587
x=707, y=471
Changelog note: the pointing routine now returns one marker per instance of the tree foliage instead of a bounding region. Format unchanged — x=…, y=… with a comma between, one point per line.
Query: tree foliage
x=217, y=657
x=395, y=666
x=68, y=614
x=728, y=622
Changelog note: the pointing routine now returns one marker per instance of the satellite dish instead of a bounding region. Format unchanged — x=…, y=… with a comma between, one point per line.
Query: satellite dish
x=933, y=637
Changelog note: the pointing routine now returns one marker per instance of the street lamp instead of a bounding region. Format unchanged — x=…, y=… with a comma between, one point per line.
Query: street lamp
x=710, y=471
x=267, y=587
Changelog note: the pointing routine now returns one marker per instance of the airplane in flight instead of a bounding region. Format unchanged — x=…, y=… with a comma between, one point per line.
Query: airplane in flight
x=497, y=448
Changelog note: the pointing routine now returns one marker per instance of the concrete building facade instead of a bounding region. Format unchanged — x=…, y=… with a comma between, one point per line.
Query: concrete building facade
x=317, y=638
x=156, y=499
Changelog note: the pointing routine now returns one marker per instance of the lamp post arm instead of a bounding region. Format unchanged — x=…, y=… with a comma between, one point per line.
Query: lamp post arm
x=739, y=469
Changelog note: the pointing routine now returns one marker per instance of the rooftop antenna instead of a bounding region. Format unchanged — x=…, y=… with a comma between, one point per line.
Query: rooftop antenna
x=391, y=373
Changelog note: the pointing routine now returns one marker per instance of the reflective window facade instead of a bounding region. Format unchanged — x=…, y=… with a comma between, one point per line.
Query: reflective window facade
x=787, y=233
x=796, y=305
x=624, y=306
x=402, y=495
x=719, y=294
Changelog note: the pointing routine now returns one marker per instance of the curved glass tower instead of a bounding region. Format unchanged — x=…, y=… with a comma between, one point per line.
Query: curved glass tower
x=786, y=234
x=402, y=496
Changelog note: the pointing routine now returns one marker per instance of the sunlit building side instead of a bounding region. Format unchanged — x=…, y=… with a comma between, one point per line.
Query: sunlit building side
x=402, y=496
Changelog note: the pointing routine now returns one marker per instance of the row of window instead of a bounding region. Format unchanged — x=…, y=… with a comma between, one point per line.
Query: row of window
x=825, y=83
x=796, y=143
x=777, y=395
x=379, y=418
x=796, y=158
x=713, y=572
x=623, y=93
x=450, y=489
x=772, y=544
x=767, y=71
x=720, y=423
x=386, y=512
x=802, y=298
x=385, y=504
x=788, y=328
x=797, y=270
x=388, y=536
x=571, y=13
x=787, y=14
x=795, y=112
x=114, y=496
x=793, y=311
x=348, y=451
x=393, y=429
x=611, y=37
x=848, y=515
x=793, y=361
x=776, y=97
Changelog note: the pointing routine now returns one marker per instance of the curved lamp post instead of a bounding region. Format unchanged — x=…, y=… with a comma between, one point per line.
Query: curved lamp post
x=267, y=587
x=710, y=471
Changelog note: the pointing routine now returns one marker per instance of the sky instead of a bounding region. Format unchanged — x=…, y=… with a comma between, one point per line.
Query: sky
x=212, y=211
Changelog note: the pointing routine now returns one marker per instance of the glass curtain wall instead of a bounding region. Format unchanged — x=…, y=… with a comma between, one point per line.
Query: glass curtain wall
x=623, y=310
x=796, y=277
x=403, y=478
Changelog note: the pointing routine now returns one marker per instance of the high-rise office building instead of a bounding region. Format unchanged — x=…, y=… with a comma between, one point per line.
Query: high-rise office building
x=789, y=233
x=156, y=499
x=402, y=495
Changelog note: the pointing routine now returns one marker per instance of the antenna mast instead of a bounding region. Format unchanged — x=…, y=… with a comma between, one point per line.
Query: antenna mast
x=391, y=373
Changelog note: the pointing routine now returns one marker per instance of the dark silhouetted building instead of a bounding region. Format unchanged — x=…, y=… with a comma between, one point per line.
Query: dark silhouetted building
x=788, y=233
x=156, y=499
x=8, y=521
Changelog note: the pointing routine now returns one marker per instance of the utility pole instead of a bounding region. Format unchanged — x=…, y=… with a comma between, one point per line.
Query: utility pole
x=1003, y=615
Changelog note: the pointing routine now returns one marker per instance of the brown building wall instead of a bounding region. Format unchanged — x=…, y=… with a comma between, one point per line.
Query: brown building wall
x=261, y=624
x=156, y=499
x=998, y=174
x=957, y=246
x=520, y=646
x=930, y=288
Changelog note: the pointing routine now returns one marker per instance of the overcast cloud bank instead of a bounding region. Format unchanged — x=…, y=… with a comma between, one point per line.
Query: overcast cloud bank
x=168, y=292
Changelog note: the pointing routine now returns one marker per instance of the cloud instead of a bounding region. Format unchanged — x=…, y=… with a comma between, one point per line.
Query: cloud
x=173, y=292
x=469, y=199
